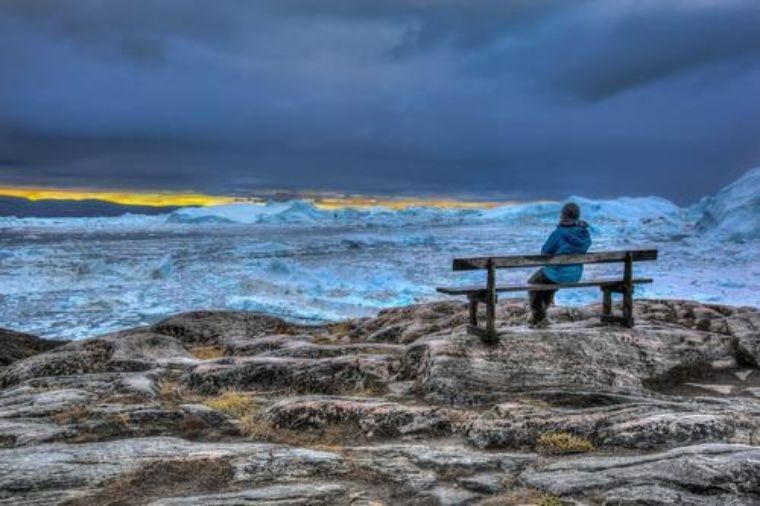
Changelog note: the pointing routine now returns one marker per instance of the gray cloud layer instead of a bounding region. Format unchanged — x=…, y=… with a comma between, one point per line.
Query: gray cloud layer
x=534, y=98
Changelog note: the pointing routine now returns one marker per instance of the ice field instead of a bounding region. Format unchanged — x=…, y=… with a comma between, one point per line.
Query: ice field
x=75, y=278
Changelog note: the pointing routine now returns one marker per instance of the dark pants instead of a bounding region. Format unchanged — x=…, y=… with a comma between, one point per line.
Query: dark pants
x=540, y=301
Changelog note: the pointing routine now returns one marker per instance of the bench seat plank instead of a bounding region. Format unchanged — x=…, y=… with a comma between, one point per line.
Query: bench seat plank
x=464, y=290
x=476, y=263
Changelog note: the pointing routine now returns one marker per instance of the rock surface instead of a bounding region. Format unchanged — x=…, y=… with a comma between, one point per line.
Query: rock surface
x=17, y=346
x=405, y=408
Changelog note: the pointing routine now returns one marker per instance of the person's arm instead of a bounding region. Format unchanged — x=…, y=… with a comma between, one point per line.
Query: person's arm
x=587, y=243
x=587, y=240
x=551, y=244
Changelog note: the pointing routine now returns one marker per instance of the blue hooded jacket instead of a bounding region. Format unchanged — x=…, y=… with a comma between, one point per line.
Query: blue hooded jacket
x=568, y=238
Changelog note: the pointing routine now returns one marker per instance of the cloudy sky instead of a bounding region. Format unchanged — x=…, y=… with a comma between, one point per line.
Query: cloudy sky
x=490, y=98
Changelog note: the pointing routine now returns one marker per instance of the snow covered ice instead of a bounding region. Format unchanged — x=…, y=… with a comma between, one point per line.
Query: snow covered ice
x=76, y=278
x=734, y=213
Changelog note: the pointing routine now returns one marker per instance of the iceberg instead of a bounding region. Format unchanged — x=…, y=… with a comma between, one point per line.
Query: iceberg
x=734, y=212
x=632, y=210
x=296, y=211
x=624, y=217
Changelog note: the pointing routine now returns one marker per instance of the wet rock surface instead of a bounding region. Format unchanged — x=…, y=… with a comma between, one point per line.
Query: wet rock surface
x=217, y=407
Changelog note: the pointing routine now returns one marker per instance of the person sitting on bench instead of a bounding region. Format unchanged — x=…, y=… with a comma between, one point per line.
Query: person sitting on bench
x=570, y=236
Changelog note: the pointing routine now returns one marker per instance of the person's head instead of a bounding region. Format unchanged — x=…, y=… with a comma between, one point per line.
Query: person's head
x=570, y=212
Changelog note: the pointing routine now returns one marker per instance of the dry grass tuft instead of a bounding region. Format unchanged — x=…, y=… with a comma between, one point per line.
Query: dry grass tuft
x=562, y=443
x=122, y=419
x=236, y=404
x=250, y=422
x=523, y=496
x=256, y=427
x=207, y=352
x=550, y=500
x=74, y=414
x=337, y=331
x=161, y=479
x=192, y=428
x=253, y=426
x=172, y=391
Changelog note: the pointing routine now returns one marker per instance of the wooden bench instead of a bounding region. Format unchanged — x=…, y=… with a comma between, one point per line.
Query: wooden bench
x=487, y=293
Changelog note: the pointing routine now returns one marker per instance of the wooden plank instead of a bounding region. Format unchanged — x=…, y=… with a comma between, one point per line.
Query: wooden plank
x=480, y=289
x=599, y=257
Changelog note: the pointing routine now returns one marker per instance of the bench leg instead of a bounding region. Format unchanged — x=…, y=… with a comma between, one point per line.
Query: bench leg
x=491, y=303
x=627, y=317
x=628, y=307
x=628, y=291
x=491, y=318
x=606, y=301
x=473, y=309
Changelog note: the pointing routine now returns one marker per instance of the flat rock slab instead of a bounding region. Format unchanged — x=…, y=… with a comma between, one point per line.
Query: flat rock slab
x=743, y=374
x=698, y=472
x=221, y=327
x=484, y=483
x=456, y=368
x=416, y=466
x=645, y=423
x=718, y=389
x=370, y=417
x=59, y=466
x=332, y=375
x=292, y=495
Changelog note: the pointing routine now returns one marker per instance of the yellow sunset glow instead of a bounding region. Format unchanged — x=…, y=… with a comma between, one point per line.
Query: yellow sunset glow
x=155, y=199
x=398, y=204
x=161, y=199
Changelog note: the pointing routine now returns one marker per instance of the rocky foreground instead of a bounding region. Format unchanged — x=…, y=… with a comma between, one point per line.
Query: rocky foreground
x=406, y=408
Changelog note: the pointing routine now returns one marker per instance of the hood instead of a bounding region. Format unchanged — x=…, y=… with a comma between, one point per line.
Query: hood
x=575, y=232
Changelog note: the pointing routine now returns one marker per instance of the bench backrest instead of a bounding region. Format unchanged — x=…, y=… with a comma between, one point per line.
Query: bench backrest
x=476, y=263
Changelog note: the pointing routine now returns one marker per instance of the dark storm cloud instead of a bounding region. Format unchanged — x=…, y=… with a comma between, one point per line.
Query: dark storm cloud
x=529, y=98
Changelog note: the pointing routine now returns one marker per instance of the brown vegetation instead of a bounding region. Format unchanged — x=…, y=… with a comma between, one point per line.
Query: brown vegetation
x=161, y=479
x=561, y=443
x=207, y=352
x=233, y=403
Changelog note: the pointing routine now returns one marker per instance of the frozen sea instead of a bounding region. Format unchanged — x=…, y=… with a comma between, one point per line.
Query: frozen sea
x=76, y=278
